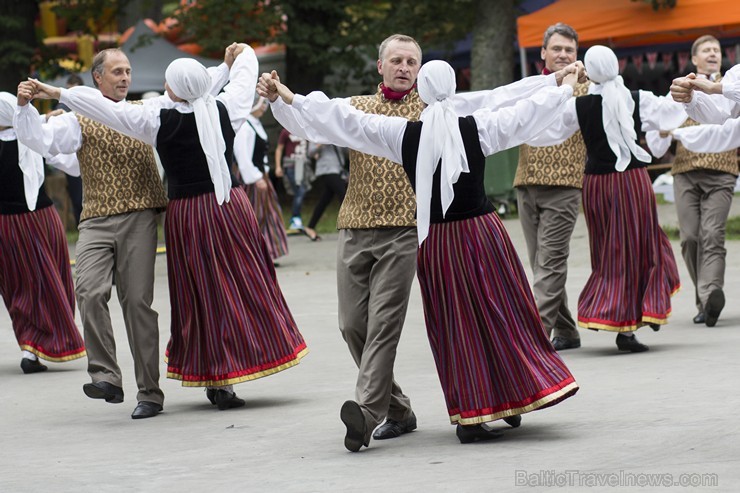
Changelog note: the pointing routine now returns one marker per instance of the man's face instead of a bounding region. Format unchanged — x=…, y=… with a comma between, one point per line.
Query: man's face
x=708, y=58
x=559, y=52
x=400, y=65
x=116, y=77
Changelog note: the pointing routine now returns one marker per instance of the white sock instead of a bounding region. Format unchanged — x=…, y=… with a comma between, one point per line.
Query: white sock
x=29, y=355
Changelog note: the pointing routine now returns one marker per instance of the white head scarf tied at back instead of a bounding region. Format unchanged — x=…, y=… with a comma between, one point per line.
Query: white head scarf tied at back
x=31, y=163
x=440, y=139
x=189, y=80
x=617, y=105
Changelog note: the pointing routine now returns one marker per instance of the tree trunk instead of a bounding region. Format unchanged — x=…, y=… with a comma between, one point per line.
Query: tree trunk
x=492, y=55
x=18, y=42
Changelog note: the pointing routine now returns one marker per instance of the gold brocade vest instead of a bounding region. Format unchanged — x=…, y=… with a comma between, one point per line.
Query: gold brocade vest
x=561, y=165
x=379, y=194
x=686, y=160
x=119, y=173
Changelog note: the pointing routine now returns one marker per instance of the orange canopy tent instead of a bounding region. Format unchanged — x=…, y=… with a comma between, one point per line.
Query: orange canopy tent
x=623, y=23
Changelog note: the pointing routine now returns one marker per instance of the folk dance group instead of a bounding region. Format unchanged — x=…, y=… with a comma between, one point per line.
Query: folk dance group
x=416, y=141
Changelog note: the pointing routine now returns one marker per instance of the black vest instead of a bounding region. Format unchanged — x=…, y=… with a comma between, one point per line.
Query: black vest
x=470, y=193
x=182, y=156
x=12, y=196
x=600, y=159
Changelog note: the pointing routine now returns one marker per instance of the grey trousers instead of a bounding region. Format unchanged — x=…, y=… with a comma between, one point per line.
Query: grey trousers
x=375, y=270
x=703, y=200
x=123, y=245
x=548, y=215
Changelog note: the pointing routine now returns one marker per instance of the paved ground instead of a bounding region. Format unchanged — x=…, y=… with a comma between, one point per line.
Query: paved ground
x=669, y=415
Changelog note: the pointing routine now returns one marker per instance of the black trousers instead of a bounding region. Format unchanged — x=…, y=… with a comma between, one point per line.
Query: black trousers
x=333, y=185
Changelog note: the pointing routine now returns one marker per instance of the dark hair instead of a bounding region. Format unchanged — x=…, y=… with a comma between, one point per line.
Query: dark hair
x=99, y=61
x=74, y=80
x=561, y=29
x=701, y=40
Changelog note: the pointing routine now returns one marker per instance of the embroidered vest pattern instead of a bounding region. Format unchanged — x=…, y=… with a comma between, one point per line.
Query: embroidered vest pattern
x=119, y=173
x=561, y=165
x=686, y=160
x=379, y=194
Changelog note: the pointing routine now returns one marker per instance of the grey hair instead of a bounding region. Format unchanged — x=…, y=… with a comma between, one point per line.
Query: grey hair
x=397, y=37
x=99, y=62
x=561, y=29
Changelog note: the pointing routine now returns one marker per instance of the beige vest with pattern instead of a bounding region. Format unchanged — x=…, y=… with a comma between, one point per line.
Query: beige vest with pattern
x=686, y=160
x=379, y=194
x=560, y=166
x=119, y=173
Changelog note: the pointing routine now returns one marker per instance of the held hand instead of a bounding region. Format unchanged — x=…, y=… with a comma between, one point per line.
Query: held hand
x=681, y=88
x=266, y=86
x=282, y=90
x=571, y=80
x=582, y=74
x=706, y=85
x=229, y=54
x=45, y=91
x=25, y=93
x=238, y=49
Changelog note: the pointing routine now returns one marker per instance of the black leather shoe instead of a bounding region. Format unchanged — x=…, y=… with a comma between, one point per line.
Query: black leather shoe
x=227, y=400
x=513, y=421
x=476, y=433
x=561, y=343
x=354, y=420
x=146, y=409
x=32, y=366
x=103, y=390
x=631, y=344
x=211, y=395
x=393, y=429
x=713, y=307
x=655, y=327
x=699, y=318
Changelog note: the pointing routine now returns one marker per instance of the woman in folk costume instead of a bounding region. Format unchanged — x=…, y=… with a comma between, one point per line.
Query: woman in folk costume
x=230, y=321
x=250, y=152
x=35, y=277
x=492, y=353
x=634, y=272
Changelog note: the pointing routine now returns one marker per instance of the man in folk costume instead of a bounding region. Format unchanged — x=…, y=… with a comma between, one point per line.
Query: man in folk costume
x=35, y=277
x=549, y=182
x=118, y=233
x=703, y=184
x=376, y=256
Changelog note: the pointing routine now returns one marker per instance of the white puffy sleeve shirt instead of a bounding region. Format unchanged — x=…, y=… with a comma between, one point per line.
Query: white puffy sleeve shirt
x=716, y=108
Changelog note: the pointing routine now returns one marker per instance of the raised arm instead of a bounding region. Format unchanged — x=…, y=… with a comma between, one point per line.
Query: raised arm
x=660, y=112
x=57, y=135
x=238, y=94
x=551, y=109
x=712, y=102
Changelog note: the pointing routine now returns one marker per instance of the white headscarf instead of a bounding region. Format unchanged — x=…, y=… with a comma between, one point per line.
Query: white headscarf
x=617, y=105
x=31, y=163
x=254, y=121
x=189, y=80
x=440, y=139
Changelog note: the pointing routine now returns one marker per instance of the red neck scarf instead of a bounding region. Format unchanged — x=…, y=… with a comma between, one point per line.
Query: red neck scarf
x=389, y=93
x=546, y=71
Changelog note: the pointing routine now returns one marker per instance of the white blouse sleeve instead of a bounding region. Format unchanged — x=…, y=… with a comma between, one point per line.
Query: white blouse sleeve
x=290, y=118
x=135, y=120
x=514, y=125
x=238, y=94
x=243, y=152
x=219, y=78
x=469, y=102
x=658, y=145
x=660, y=112
x=559, y=130
x=345, y=126
x=67, y=163
x=710, y=138
x=59, y=135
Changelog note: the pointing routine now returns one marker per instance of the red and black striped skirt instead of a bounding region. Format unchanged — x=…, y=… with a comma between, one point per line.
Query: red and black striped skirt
x=269, y=217
x=633, y=270
x=230, y=321
x=36, y=284
x=493, y=356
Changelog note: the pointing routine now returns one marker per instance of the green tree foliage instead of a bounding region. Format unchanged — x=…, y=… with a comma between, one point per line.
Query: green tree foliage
x=18, y=42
